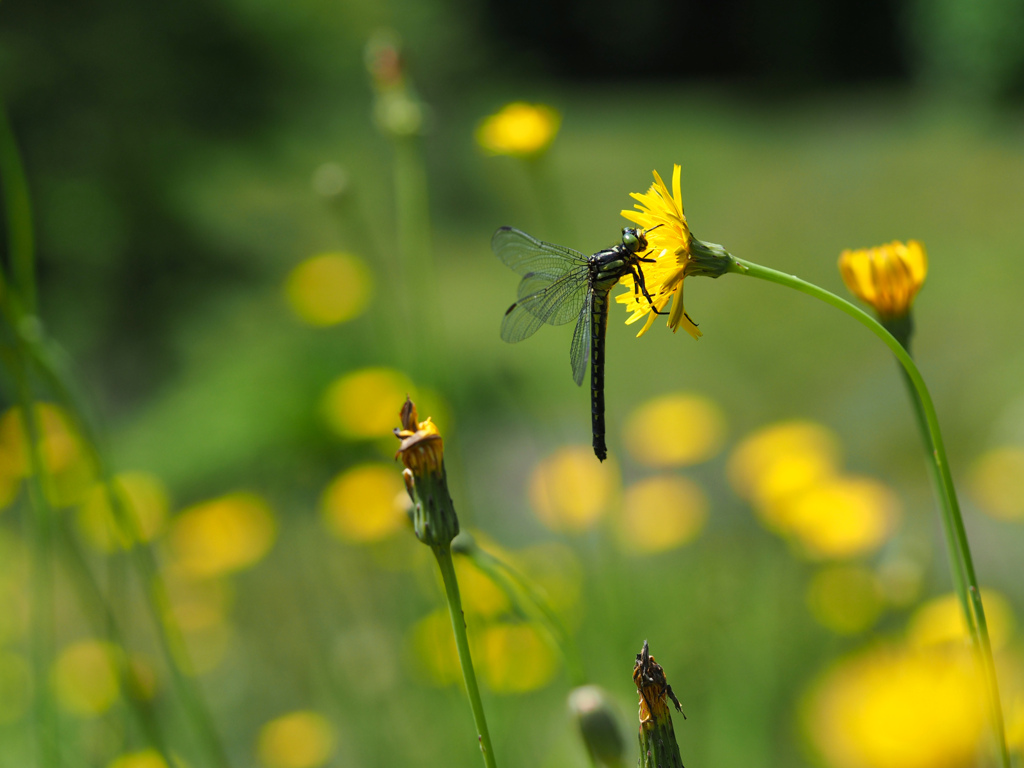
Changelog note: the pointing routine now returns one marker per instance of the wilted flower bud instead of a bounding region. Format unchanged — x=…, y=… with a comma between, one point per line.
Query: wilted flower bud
x=422, y=453
x=658, y=747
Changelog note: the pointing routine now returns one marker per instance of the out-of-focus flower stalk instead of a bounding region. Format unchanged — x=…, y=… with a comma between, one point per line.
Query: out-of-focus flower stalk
x=400, y=116
x=528, y=598
x=34, y=352
x=436, y=524
x=599, y=726
x=958, y=548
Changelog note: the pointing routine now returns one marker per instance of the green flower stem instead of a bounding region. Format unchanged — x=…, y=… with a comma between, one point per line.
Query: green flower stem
x=961, y=562
x=443, y=553
x=20, y=239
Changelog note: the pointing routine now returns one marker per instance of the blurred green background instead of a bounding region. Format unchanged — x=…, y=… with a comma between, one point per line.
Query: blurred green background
x=185, y=160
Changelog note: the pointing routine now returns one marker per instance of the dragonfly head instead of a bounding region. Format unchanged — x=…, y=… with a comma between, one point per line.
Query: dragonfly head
x=634, y=239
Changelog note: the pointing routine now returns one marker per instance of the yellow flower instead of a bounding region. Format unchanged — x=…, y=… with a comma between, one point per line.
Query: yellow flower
x=676, y=251
x=893, y=707
x=328, y=289
x=887, y=277
x=302, y=739
x=569, y=492
x=519, y=129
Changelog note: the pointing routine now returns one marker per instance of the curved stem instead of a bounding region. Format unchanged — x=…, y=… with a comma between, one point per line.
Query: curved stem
x=961, y=562
x=451, y=589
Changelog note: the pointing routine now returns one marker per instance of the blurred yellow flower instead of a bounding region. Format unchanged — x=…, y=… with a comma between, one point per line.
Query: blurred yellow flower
x=70, y=474
x=143, y=495
x=480, y=596
x=223, y=535
x=148, y=758
x=302, y=739
x=671, y=245
x=15, y=684
x=84, y=678
x=661, y=513
x=841, y=517
x=519, y=129
x=569, y=491
x=675, y=430
x=329, y=288
x=782, y=459
x=365, y=503
x=846, y=599
x=515, y=658
x=433, y=645
x=887, y=277
x=941, y=620
x=995, y=482
x=361, y=404
x=895, y=708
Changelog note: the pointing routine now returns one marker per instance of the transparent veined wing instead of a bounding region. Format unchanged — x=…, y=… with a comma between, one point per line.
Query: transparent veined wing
x=528, y=255
x=554, y=284
x=579, y=352
x=542, y=302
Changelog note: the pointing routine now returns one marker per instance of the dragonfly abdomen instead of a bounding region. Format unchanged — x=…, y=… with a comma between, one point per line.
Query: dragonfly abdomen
x=599, y=322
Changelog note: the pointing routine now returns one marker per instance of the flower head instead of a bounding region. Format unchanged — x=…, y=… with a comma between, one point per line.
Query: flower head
x=519, y=129
x=422, y=453
x=887, y=277
x=422, y=449
x=677, y=253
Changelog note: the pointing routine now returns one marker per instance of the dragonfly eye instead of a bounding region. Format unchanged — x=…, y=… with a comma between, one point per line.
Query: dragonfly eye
x=631, y=239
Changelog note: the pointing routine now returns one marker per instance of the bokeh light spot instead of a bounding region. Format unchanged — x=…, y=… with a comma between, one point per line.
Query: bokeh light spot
x=480, y=595
x=223, y=535
x=303, y=739
x=433, y=645
x=995, y=482
x=893, y=708
x=365, y=404
x=571, y=490
x=675, y=430
x=69, y=473
x=843, y=517
x=364, y=504
x=661, y=513
x=941, y=620
x=519, y=129
x=85, y=678
x=516, y=659
x=782, y=459
x=328, y=289
x=846, y=599
x=148, y=758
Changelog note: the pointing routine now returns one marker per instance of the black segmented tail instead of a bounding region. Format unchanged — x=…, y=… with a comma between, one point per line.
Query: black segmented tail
x=599, y=326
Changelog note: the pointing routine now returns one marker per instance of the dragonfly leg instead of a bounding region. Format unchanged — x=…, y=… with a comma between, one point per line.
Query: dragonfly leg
x=638, y=283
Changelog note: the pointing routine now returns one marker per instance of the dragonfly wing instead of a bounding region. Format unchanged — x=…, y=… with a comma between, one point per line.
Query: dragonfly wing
x=528, y=255
x=519, y=323
x=554, y=302
x=579, y=352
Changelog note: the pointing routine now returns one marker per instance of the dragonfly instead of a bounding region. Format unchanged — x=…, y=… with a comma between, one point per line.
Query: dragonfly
x=560, y=285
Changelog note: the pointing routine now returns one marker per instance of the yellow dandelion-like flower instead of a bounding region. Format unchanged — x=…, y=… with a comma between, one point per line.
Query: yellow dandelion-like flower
x=887, y=277
x=519, y=129
x=676, y=253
